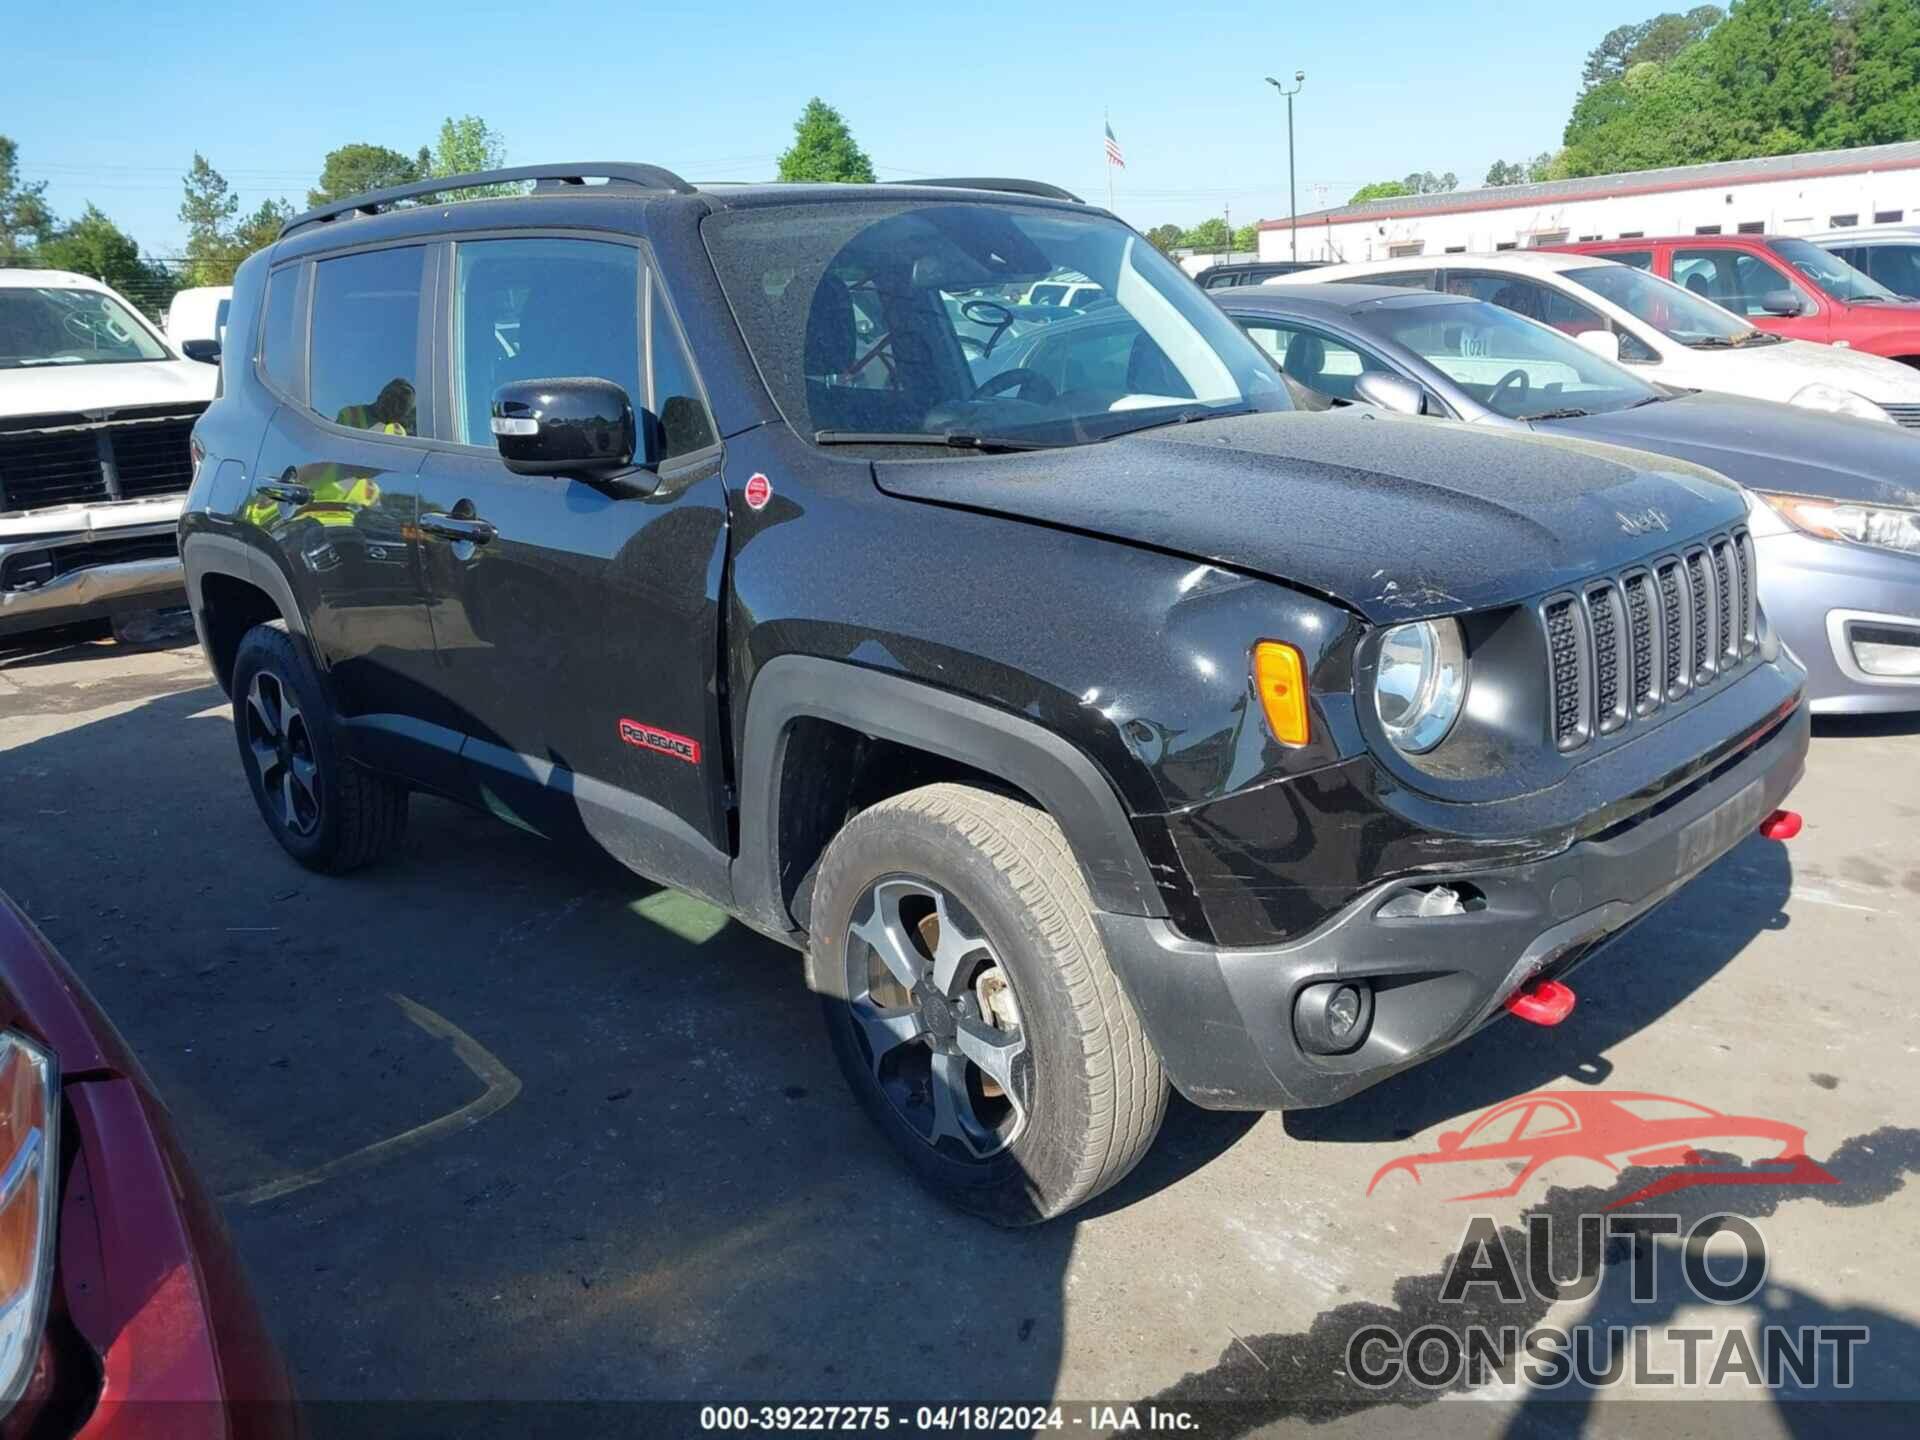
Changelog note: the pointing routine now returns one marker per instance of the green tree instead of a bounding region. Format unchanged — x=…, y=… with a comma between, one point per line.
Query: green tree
x=1379, y=190
x=1425, y=182
x=1774, y=77
x=824, y=149
x=25, y=219
x=1209, y=234
x=1165, y=237
x=259, y=230
x=1658, y=40
x=357, y=168
x=1520, y=172
x=207, y=211
x=94, y=245
x=1880, y=81
x=465, y=146
x=1247, y=237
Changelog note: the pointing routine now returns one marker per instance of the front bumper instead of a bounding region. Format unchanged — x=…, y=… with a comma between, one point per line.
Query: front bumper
x=1817, y=593
x=1222, y=1017
x=87, y=562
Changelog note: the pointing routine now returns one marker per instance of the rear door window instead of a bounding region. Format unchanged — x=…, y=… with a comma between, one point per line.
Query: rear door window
x=365, y=359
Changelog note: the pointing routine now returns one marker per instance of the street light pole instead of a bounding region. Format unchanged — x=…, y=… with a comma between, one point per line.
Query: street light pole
x=1293, y=213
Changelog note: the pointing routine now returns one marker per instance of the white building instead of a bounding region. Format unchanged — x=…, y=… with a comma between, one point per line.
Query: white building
x=1776, y=195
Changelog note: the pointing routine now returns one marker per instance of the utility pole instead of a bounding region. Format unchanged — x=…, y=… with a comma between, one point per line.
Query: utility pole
x=1293, y=212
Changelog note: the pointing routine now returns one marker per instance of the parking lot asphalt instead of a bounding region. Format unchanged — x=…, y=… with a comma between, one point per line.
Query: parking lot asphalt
x=497, y=1120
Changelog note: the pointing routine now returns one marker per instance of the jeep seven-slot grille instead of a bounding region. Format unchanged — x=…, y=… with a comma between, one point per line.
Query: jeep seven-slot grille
x=72, y=459
x=1625, y=645
x=1641, y=627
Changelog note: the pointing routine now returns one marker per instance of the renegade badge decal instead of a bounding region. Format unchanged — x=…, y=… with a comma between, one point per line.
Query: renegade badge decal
x=759, y=490
x=665, y=741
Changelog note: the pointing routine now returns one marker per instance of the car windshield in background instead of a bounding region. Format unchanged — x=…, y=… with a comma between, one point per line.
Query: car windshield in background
x=894, y=320
x=1676, y=313
x=1832, y=274
x=1511, y=365
x=54, y=325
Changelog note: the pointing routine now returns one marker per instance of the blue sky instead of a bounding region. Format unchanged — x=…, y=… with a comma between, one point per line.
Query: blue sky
x=109, y=99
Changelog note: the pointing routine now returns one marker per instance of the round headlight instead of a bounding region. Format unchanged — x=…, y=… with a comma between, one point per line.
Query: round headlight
x=1421, y=683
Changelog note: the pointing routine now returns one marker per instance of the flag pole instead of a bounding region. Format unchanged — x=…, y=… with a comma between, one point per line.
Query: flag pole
x=1106, y=119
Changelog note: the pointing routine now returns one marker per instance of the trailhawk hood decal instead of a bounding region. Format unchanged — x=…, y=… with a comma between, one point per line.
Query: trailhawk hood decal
x=85, y=389
x=1400, y=518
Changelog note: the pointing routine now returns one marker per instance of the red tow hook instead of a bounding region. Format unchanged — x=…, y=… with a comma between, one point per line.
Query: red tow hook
x=1781, y=825
x=1545, y=1002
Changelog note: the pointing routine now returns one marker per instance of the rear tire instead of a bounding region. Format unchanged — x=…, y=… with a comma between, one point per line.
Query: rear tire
x=973, y=895
x=326, y=811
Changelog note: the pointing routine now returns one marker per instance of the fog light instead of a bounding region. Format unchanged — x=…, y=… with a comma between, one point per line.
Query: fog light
x=1333, y=1017
x=1882, y=650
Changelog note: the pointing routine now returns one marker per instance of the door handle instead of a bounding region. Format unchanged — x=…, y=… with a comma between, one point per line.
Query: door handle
x=284, y=491
x=449, y=527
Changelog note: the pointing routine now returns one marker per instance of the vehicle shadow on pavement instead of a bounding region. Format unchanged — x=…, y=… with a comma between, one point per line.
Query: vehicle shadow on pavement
x=682, y=1201
x=1840, y=727
x=1626, y=986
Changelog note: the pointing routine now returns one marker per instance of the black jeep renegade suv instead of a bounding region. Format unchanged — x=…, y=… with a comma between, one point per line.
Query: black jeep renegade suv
x=1090, y=722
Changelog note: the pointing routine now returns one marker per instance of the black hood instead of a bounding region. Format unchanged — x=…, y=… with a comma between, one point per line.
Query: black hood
x=1765, y=445
x=1400, y=518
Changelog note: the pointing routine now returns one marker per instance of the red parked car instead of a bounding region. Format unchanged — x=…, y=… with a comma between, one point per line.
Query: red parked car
x=123, y=1312
x=1782, y=284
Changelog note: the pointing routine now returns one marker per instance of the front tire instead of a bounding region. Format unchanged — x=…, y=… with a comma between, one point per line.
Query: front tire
x=327, y=812
x=972, y=1007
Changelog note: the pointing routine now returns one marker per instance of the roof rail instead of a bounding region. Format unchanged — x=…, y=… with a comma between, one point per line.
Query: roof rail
x=1038, y=188
x=545, y=177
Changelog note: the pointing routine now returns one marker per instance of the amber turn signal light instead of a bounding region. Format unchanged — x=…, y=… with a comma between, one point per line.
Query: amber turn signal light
x=1280, y=674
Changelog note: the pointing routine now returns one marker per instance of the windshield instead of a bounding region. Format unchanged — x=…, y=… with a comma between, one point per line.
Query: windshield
x=1678, y=314
x=1830, y=272
x=896, y=318
x=1508, y=364
x=53, y=325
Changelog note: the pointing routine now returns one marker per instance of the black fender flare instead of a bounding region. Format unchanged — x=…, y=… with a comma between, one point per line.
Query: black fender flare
x=1071, y=788
x=203, y=554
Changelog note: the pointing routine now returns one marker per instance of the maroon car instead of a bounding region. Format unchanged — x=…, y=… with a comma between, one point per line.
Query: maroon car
x=123, y=1312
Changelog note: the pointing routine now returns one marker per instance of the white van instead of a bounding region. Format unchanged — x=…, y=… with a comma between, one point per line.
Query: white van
x=96, y=418
x=199, y=314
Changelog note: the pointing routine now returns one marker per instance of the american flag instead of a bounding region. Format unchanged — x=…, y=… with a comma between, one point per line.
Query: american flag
x=1114, y=157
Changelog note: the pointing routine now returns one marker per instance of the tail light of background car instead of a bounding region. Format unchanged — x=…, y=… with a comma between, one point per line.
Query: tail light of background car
x=29, y=1169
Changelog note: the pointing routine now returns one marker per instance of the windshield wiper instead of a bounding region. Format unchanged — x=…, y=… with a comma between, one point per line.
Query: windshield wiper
x=1571, y=412
x=947, y=439
x=1710, y=342
x=1653, y=400
x=1184, y=417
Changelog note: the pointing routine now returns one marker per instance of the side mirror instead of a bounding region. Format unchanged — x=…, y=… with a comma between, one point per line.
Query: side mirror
x=1604, y=343
x=1449, y=1141
x=207, y=352
x=1390, y=392
x=584, y=429
x=1780, y=302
